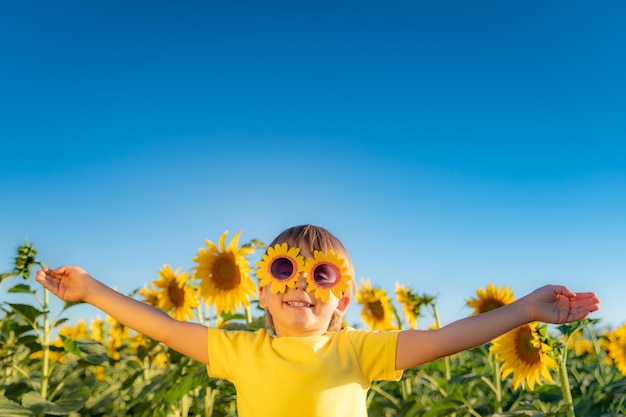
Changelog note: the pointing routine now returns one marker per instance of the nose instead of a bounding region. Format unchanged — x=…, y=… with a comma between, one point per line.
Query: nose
x=301, y=283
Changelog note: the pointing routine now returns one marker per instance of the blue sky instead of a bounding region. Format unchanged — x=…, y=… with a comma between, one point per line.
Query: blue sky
x=447, y=144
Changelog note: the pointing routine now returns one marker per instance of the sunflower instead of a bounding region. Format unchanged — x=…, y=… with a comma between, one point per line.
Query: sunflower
x=225, y=275
x=490, y=299
x=265, y=265
x=96, y=328
x=580, y=344
x=150, y=295
x=335, y=261
x=377, y=313
x=410, y=304
x=175, y=293
x=78, y=332
x=54, y=355
x=138, y=341
x=118, y=335
x=161, y=359
x=615, y=345
x=524, y=354
x=72, y=333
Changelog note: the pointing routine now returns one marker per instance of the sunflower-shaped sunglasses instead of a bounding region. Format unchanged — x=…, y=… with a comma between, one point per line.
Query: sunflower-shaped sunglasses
x=325, y=272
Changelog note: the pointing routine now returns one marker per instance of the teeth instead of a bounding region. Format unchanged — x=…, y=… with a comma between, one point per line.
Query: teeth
x=297, y=304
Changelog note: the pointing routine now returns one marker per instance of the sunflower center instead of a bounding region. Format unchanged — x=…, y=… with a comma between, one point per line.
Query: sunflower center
x=525, y=346
x=176, y=294
x=377, y=309
x=491, y=304
x=225, y=273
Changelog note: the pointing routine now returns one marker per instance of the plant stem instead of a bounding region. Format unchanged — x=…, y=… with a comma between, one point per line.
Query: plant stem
x=446, y=359
x=200, y=313
x=209, y=401
x=565, y=389
x=185, y=404
x=498, y=387
x=45, y=345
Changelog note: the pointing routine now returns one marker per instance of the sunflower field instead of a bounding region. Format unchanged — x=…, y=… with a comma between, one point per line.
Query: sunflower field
x=51, y=367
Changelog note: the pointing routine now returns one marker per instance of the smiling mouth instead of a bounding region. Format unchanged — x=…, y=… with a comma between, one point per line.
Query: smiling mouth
x=298, y=304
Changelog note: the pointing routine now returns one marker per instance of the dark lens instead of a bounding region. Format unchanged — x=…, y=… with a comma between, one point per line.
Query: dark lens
x=325, y=275
x=282, y=268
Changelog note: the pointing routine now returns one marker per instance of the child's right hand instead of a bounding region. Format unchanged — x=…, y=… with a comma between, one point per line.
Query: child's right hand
x=69, y=283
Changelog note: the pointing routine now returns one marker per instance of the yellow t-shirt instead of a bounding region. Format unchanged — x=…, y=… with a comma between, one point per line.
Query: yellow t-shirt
x=316, y=376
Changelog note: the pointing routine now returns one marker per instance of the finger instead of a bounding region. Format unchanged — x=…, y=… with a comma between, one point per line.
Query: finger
x=46, y=281
x=587, y=295
x=585, y=299
x=41, y=275
x=61, y=270
x=563, y=290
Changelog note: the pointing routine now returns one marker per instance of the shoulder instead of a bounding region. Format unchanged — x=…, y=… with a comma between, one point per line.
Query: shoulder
x=359, y=337
x=375, y=351
x=216, y=335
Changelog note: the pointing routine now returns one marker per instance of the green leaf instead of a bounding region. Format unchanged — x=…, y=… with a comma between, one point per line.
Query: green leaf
x=15, y=390
x=21, y=288
x=9, y=408
x=68, y=304
x=69, y=403
x=29, y=312
x=254, y=244
x=59, y=322
x=70, y=346
x=92, y=351
x=229, y=317
x=7, y=275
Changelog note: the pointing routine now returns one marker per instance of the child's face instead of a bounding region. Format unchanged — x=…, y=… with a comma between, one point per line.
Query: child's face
x=297, y=312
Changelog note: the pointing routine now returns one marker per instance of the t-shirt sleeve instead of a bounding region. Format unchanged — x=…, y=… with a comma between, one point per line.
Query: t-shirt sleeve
x=225, y=351
x=377, y=353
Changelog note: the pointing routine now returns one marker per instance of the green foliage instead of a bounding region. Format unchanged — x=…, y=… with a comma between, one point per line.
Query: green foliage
x=90, y=377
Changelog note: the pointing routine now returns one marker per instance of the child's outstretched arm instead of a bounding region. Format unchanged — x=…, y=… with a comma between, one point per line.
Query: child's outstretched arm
x=550, y=304
x=72, y=283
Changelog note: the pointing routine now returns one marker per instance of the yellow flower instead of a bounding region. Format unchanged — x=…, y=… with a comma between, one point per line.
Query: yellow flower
x=97, y=332
x=268, y=263
x=615, y=346
x=55, y=355
x=523, y=353
x=138, y=341
x=100, y=373
x=410, y=304
x=150, y=295
x=581, y=345
x=73, y=333
x=603, y=342
x=334, y=261
x=175, y=293
x=118, y=334
x=377, y=313
x=78, y=332
x=490, y=299
x=434, y=326
x=225, y=275
x=161, y=359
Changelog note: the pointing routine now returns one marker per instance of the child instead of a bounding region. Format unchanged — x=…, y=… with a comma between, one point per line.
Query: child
x=306, y=364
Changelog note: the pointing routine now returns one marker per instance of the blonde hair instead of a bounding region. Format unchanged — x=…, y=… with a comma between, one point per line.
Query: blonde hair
x=320, y=239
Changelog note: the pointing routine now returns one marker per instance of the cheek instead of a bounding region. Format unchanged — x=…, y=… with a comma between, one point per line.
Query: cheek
x=331, y=305
x=268, y=300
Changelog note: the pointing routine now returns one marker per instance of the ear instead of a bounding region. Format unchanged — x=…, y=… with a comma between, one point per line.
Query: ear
x=262, y=297
x=344, y=302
